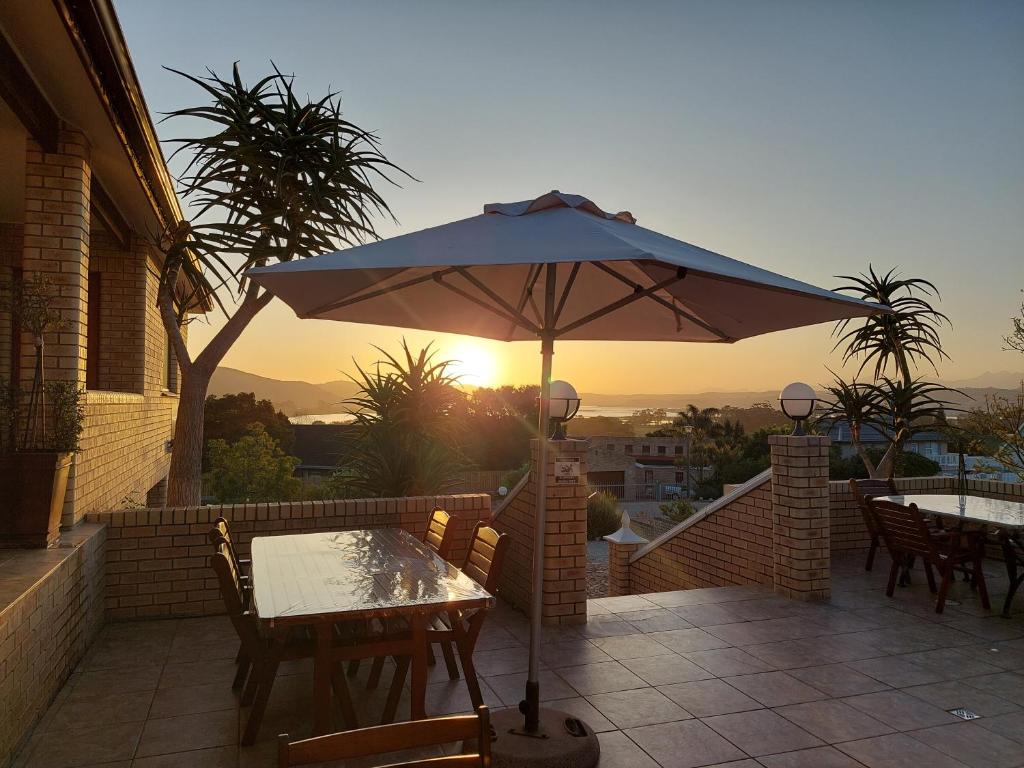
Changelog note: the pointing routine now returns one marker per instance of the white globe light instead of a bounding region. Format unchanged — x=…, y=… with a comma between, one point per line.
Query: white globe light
x=797, y=401
x=564, y=402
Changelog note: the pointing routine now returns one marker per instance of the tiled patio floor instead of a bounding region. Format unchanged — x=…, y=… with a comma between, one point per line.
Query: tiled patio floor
x=713, y=677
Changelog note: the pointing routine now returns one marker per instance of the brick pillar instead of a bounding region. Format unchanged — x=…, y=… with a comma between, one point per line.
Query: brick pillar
x=621, y=546
x=565, y=542
x=56, y=245
x=800, y=516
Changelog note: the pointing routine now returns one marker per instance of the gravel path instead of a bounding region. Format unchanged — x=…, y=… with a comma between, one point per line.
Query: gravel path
x=597, y=569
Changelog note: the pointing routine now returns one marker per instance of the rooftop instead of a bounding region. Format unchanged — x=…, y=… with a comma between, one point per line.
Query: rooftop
x=730, y=676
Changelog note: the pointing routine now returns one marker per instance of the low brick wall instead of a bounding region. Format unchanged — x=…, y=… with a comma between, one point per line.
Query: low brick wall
x=722, y=545
x=156, y=561
x=47, y=627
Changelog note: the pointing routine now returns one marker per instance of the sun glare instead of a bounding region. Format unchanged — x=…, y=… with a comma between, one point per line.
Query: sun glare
x=474, y=364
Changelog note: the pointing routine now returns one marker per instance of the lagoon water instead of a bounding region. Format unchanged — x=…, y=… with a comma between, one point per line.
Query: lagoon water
x=586, y=410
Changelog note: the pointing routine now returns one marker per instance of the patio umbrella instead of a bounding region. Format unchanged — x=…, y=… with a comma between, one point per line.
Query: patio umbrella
x=557, y=267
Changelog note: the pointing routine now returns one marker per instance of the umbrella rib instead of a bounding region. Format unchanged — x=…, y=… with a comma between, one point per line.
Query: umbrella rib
x=638, y=293
x=531, y=280
x=671, y=307
x=480, y=286
x=346, y=302
x=515, y=319
x=566, y=289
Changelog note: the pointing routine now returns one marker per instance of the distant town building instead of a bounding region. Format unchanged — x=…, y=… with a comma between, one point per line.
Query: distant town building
x=926, y=442
x=637, y=467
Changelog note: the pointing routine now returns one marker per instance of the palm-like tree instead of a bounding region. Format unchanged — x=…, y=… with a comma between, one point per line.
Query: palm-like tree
x=405, y=441
x=274, y=178
x=858, y=405
x=895, y=342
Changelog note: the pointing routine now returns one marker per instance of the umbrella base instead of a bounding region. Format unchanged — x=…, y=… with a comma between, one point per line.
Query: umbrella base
x=558, y=748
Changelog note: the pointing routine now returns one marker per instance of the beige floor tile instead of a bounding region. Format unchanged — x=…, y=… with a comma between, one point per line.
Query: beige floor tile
x=655, y=620
x=900, y=710
x=954, y=694
x=93, y=746
x=100, y=682
x=184, y=732
x=630, y=646
x=816, y=757
x=896, y=673
x=619, y=751
x=724, y=662
x=642, y=706
x=187, y=700
x=220, y=671
x=216, y=757
x=1010, y=725
x=623, y=604
x=685, y=744
x=761, y=732
x=572, y=654
x=498, y=662
x=685, y=640
x=604, y=677
x=1007, y=685
x=897, y=750
x=663, y=670
x=76, y=715
x=705, y=698
x=833, y=721
x=775, y=689
x=510, y=689
x=837, y=680
x=973, y=745
x=708, y=614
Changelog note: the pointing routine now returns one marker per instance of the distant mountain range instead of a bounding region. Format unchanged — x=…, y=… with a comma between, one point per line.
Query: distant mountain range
x=297, y=398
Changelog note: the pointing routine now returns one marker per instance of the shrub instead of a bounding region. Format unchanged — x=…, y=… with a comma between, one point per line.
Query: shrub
x=676, y=510
x=603, y=516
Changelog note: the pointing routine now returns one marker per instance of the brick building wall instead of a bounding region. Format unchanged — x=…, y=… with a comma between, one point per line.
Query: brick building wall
x=11, y=243
x=45, y=633
x=156, y=559
x=728, y=545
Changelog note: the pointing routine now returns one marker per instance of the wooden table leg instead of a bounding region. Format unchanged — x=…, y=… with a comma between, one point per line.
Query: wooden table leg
x=418, y=707
x=322, y=667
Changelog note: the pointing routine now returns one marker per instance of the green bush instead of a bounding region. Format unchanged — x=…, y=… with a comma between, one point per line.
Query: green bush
x=676, y=510
x=603, y=516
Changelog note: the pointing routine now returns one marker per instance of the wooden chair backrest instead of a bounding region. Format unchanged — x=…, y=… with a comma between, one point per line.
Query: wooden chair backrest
x=485, y=556
x=219, y=531
x=904, y=529
x=865, y=488
x=383, y=739
x=440, y=533
x=235, y=601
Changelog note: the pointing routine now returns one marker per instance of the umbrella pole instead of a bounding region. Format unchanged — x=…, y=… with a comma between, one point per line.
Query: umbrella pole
x=532, y=704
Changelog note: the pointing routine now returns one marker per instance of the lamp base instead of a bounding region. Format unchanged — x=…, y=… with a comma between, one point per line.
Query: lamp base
x=567, y=741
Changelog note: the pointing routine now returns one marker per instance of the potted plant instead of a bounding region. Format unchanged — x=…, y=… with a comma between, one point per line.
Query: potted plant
x=39, y=429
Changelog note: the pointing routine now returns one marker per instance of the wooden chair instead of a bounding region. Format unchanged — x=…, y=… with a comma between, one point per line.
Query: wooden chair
x=220, y=530
x=383, y=739
x=460, y=629
x=906, y=534
x=221, y=533
x=862, y=490
x=440, y=533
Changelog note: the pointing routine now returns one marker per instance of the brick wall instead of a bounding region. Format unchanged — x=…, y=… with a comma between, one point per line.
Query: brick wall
x=45, y=632
x=728, y=543
x=156, y=559
x=565, y=543
x=122, y=299
x=11, y=244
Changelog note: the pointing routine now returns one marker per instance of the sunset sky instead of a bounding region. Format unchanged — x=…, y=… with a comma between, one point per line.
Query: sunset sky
x=808, y=138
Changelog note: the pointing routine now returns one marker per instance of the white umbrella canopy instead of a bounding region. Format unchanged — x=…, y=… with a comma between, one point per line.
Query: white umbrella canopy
x=557, y=267
x=624, y=282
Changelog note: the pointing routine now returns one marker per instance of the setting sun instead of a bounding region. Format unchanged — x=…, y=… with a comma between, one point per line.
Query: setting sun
x=473, y=364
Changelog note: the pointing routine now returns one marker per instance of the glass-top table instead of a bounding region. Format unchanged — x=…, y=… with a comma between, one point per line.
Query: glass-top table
x=1006, y=517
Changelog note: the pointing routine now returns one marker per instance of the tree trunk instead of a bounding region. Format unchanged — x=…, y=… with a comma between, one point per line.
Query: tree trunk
x=184, y=481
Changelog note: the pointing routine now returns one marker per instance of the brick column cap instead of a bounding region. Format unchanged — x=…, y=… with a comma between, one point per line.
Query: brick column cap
x=625, y=534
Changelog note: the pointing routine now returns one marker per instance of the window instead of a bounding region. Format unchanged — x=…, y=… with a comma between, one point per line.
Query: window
x=661, y=450
x=629, y=448
x=92, y=331
x=169, y=380
x=680, y=477
x=645, y=450
x=678, y=450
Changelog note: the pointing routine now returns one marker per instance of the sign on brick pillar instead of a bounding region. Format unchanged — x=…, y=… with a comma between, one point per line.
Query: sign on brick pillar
x=565, y=536
x=800, y=516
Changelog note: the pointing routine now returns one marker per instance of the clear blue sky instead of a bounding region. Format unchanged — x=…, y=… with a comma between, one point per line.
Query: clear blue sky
x=809, y=138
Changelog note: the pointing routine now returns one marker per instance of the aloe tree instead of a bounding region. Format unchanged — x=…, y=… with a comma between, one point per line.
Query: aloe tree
x=406, y=435
x=270, y=177
x=892, y=345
